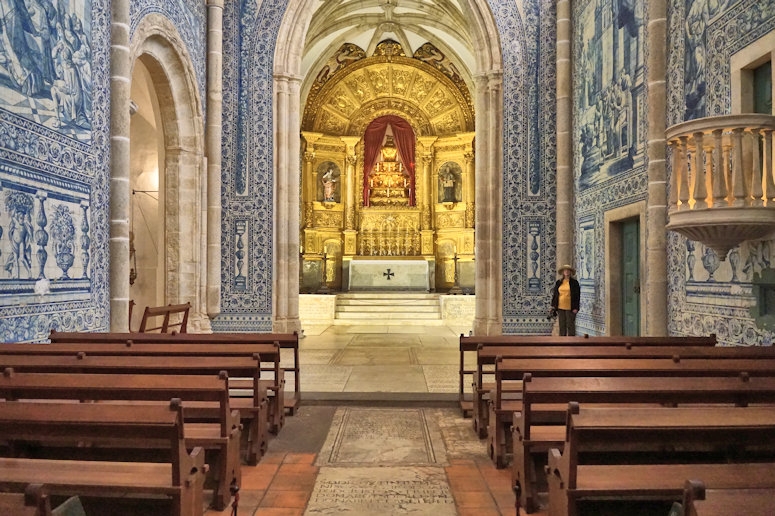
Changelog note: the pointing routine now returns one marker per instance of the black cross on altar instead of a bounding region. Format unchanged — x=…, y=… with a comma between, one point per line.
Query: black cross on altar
x=388, y=274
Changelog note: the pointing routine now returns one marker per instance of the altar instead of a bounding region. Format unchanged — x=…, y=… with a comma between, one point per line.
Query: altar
x=404, y=273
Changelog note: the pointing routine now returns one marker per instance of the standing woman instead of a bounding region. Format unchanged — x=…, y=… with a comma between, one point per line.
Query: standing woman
x=566, y=299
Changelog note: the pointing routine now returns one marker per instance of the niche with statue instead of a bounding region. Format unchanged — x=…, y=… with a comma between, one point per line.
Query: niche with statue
x=329, y=182
x=450, y=182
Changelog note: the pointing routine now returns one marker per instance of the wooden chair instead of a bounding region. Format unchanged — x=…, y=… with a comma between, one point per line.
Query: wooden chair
x=168, y=323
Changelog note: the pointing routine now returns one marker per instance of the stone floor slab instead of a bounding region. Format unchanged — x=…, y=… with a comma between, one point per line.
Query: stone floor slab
x=374, y=357
x=381, y=378
x=382, y=437
x=323, y=378
x=419, y=491
x=441, y=378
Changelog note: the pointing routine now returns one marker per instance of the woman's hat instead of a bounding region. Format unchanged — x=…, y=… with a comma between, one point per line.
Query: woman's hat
x=568, y=267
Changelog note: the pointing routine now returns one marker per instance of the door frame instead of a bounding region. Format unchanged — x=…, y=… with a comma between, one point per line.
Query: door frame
x=613, y=270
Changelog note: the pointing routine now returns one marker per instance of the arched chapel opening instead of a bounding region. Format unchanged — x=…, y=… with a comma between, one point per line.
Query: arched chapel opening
x=389, y=173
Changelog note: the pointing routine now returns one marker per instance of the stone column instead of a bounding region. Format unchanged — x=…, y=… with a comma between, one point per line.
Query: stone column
x=285, y=277
x=565, y=225
x=213, y=143
x=120, y=84
x=656, y=216
x=488, y=319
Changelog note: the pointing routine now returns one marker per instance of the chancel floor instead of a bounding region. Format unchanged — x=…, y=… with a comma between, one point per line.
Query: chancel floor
x=378, y=432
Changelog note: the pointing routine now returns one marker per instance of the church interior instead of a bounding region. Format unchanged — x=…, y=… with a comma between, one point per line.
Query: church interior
x=389, y=184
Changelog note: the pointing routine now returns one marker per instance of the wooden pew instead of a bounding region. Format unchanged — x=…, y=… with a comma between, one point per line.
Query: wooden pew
x=253, y=413
x=540, y=426
x=486, y=356
x=32, y=502
x=648, y=453
x=269, y=353
x=699, y=501
x=489, y=347
x=222, y=437
x=179, y=477
x=288, y=341
x=510, y=371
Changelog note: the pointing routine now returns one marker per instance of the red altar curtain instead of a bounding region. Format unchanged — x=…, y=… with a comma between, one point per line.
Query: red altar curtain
x=403, y=136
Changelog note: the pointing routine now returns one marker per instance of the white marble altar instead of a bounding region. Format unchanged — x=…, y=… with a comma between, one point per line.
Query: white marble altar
x=385, y=273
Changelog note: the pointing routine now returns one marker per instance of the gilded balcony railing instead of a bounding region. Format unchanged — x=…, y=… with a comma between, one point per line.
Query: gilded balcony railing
x=722, y=189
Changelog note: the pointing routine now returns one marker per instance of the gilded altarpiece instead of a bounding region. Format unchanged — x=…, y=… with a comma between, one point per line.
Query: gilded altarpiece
x=422, y=210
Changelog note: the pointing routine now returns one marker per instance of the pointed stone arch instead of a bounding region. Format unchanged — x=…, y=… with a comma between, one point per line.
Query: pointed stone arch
x=489, y=183
x=157, y=43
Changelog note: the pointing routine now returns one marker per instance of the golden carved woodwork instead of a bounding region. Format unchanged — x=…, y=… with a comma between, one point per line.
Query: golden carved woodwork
x=388, y=186
x=328, y=219
x=387, y=84
x=454, y=219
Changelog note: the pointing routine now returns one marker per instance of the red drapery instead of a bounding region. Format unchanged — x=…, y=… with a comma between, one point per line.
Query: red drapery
x=403, y=135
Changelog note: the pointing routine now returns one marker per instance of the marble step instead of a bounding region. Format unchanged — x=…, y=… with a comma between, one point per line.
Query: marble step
x=388, y=302
x=381, y=307
x=387, y=314
x=382, y=320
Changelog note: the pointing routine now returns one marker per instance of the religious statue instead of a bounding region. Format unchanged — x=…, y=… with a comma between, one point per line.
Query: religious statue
x=448, y=183
x=329, y=186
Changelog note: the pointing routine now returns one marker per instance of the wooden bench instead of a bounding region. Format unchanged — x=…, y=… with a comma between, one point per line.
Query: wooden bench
x=648, y=453
x=286, y=341
x=699, y=501
x=253, y=409
x=269, y=353
x=221, y=437
x=485, y=349
x=487, y=355
x=540, y=426
x=179, y=476
x=504, y=400
x=32, y=502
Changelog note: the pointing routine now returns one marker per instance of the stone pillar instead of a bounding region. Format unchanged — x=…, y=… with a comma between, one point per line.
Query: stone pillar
x=213, y=143
x=120, y=84
x=656, y=216
x=285, y=277
x=565, y=231
x=488, y=319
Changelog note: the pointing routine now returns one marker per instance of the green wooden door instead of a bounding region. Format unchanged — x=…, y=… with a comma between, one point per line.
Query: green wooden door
x=630, y=278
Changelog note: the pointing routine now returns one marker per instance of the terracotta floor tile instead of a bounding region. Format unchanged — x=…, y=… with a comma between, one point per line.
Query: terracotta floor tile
x=286, y=499
x=291, y=481
x=300, y=458
x=273, y=458
x=279, y=511
x=258, y=477
x=469, y=483
x=462, y=471
x=468, y=499
x=478, y=511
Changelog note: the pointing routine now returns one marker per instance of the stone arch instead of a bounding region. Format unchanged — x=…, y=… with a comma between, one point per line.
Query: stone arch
x=489, y=147
x=158, y=45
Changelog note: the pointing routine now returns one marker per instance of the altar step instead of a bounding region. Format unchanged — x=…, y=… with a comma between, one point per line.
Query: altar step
x=385, y=308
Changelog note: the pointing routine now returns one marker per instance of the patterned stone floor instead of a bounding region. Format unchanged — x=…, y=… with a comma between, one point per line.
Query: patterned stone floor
x=338, y=361
x=378, y=433
x=375, y=461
